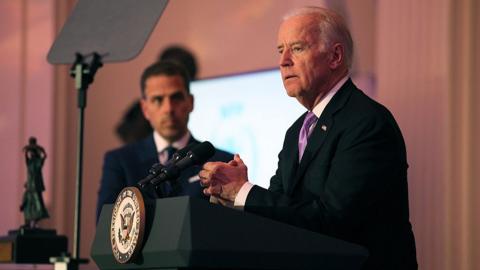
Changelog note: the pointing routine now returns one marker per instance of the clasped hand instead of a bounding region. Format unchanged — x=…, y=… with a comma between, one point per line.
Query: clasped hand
x=223, y=180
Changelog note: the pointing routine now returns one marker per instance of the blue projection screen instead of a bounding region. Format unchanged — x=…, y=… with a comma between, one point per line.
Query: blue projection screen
x=246, y=114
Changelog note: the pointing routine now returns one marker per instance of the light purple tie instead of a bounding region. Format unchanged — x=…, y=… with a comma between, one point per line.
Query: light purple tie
x=305, y=133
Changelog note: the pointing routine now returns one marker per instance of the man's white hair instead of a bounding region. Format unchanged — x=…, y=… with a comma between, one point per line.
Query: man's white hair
x=332, y=28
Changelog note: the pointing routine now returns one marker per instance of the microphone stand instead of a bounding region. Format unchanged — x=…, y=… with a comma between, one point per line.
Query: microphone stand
x=83, y=74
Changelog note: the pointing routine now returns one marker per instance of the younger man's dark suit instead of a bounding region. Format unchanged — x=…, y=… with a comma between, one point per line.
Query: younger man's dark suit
x=129, y=164
x=351, y=182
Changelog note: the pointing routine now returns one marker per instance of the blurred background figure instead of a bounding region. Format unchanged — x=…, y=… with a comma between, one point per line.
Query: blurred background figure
x=133, y=125
x=183, y=57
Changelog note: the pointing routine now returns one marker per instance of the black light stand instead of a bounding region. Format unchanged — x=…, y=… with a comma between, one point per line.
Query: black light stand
x=83, y=74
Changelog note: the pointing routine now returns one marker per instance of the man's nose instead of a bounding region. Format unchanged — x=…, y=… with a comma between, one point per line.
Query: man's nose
x=167, y=105
x=285, y=58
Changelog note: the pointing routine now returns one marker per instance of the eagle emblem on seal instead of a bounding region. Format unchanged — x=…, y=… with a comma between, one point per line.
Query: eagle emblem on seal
x=127, y=225
x=127, y=218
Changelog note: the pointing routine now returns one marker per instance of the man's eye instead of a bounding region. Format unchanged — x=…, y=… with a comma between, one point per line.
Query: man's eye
x=280, y=51
x=157, y=100
x=178, y=97
x=297, y=49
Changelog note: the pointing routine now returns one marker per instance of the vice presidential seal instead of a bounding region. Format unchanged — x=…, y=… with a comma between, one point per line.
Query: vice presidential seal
x=128, y=224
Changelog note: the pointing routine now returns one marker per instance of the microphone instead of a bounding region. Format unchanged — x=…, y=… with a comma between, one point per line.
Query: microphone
x=179, y=155
x=199, y=154
x=154, y=171
x=156, y=168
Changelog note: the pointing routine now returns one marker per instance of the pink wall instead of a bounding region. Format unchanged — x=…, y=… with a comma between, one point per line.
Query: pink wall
x=10, y=115
x=26, y=103
x=413, y=83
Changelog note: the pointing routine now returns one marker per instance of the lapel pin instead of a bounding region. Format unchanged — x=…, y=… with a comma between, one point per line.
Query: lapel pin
x=324, y=128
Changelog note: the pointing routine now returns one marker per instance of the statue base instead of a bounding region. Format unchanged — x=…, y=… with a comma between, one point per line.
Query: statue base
x=32, y=246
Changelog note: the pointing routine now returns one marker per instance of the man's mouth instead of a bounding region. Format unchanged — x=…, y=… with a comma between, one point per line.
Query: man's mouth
x=169, y=122
x=289, y=77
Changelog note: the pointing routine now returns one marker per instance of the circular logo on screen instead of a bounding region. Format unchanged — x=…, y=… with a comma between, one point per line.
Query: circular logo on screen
x=128, y=224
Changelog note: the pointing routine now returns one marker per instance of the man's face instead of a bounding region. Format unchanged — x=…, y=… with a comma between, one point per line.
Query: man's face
x=304, y=61
x=166, y=105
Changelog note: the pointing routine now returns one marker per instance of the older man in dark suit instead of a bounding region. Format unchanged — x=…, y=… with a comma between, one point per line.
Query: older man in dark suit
x=166, y=103
x=342, y=170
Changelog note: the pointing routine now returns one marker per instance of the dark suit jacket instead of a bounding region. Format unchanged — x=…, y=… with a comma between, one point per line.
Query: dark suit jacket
x=129, y=164
x=351, y=182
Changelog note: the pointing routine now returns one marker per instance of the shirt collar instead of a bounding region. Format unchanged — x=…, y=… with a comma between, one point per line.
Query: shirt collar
x=318, y=109
x=161, y=143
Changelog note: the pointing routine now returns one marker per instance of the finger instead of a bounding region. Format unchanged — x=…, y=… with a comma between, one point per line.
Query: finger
x=204, y=180
x=237, y=159
x=211, y=166
x=214, y=200
x=207, y=191
x=213, y=190
x=216, y=190
x=203, y=183
x=222, y=201
x=203, y=174
x=226, y=203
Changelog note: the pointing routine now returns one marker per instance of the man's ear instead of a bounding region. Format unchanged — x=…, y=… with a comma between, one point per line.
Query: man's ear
x=337, y=56
x=192, y=102
x=143, y=104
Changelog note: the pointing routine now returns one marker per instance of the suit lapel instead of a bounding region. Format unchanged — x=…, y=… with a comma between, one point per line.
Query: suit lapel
x=291, y=154
x=147, y=153
x=324, y=125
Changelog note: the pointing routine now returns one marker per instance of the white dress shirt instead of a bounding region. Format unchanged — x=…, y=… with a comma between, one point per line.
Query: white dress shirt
x=161, y=144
